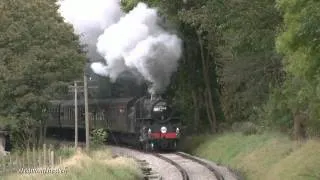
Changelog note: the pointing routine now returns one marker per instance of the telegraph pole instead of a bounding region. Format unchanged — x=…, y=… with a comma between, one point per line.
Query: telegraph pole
x=75, y=115
x=86, y=110
x=76, y=89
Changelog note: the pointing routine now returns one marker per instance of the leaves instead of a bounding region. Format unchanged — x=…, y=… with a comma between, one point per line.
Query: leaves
x=299, y=43
x=38, y=51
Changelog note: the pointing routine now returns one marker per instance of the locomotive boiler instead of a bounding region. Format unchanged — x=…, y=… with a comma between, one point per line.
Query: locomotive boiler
x=148, y=122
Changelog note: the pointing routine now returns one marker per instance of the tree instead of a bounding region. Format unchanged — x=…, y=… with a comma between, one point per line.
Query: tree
x=40, y=55
x=300, y=44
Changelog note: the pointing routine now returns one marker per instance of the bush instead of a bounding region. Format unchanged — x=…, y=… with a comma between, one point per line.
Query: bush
x=98, y=137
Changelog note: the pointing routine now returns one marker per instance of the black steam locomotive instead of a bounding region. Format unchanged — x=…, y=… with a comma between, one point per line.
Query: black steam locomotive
x=149, y=122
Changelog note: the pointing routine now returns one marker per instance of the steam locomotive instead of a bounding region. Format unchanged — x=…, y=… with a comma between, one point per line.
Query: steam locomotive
x=147, y=122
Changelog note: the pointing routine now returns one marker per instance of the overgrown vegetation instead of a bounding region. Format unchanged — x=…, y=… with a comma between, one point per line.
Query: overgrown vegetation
x=265, y=156
x=98, y=137
x=39, y=55
x=98, y=164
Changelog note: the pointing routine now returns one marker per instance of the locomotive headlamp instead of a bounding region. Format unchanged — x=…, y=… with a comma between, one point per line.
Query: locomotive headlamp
x=163, y=129
x=177, y=130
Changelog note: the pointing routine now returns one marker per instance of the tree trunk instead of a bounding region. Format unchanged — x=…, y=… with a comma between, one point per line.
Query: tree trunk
x=212, y=111
x=299, y=120
x=208, y=111
x=208, y=91
x=196, y=111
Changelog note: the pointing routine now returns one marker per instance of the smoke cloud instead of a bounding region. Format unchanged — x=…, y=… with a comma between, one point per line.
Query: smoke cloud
x=128, y=42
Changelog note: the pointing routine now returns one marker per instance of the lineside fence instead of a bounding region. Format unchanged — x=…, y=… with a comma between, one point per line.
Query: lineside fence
x=31, y=158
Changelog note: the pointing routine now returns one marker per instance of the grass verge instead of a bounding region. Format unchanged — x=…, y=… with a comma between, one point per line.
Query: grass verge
x=267, y=156
x=96, y=165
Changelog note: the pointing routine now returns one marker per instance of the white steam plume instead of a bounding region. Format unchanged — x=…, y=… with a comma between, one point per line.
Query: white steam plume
x=134, y=42
x=89, y=19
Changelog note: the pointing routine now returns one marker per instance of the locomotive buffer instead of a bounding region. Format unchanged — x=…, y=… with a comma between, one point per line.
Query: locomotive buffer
x=78, y=88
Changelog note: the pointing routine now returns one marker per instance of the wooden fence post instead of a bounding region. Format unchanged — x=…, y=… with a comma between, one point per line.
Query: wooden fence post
x=34, y=162
x=44, y=155
x=39, y=156
x=52, y=158
x=22, y=160
x=18, y=163
x=49, y=149
x=27, y=156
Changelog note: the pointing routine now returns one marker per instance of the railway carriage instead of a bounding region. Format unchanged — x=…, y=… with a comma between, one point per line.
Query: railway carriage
x=148, y=122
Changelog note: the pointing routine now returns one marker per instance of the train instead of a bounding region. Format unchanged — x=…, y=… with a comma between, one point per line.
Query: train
x=147, y=122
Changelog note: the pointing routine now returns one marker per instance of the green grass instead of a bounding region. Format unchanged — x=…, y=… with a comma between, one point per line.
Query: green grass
x=267, y=156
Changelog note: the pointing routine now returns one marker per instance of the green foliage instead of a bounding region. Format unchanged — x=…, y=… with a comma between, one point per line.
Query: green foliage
x=98, y=137
x=252, y=65
x=39, y=55
x=128, y=5
x=299, y=43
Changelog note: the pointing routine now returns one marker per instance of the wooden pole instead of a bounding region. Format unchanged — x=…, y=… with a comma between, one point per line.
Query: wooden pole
x=44, y=155
x=34, y=162
x=28, y=162
x=86, y=110
x=49, y=156
x=52, y=158
x=75, y=115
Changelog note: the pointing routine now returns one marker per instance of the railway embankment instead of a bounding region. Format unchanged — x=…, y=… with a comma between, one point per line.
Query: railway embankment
x=265, y=156
x=98, y=164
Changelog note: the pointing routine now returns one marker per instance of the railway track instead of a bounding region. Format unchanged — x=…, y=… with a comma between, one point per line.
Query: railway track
x=173, y=166
x=218, y=175
x=190, y=167
x=183, y=172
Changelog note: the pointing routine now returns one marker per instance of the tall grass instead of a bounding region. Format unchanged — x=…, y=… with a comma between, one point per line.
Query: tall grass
x=96, y=165
x=267, y=156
